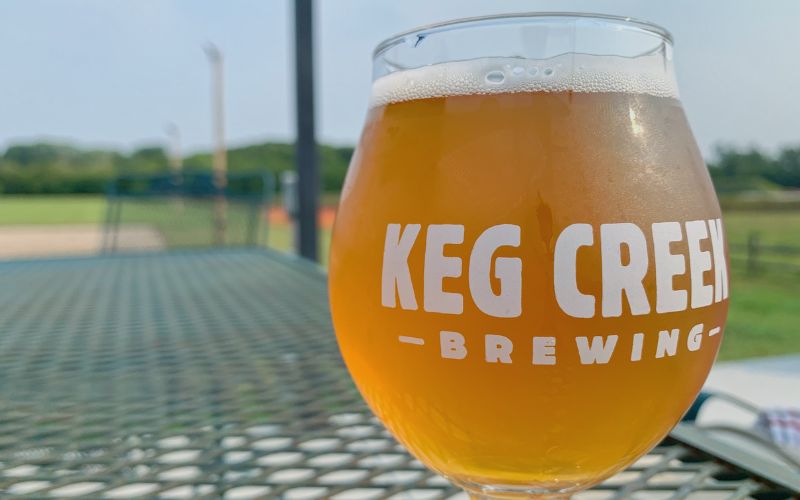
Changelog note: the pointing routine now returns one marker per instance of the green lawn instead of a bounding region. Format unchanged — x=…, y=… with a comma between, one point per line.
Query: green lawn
x=52, y=209
x=765, y=308
x=764, y=317
x=781, y=228
x=188, y=223
x=281, y=238
x=774, y=228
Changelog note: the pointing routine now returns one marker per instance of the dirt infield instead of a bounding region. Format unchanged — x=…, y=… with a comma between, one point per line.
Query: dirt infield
x=74, y=239
x=38, y=240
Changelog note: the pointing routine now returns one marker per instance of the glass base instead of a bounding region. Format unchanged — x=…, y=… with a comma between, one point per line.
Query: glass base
x=515, y=492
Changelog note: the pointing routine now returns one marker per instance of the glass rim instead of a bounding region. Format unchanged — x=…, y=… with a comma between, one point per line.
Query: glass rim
x=466, y=22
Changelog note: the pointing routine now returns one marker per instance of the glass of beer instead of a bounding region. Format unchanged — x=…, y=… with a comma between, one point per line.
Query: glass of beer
x=528, y=276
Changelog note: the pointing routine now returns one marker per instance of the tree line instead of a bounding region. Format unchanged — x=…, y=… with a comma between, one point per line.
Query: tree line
x=45, y=168
x=735, y=170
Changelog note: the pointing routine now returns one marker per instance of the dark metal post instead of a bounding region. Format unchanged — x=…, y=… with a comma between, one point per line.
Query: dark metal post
x=306, y=147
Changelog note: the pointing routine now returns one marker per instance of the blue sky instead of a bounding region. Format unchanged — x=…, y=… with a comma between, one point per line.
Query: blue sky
x=113, y=73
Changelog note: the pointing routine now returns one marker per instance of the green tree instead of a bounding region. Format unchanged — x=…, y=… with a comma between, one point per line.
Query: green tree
x=786, y=170
x=734, y=170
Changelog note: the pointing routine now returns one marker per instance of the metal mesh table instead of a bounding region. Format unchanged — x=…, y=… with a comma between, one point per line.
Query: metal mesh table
x=216, y=374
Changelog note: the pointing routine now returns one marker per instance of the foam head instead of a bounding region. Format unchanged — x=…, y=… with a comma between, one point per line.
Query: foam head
x=568, y=72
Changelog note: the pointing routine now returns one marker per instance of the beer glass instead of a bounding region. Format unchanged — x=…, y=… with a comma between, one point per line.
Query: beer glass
x=528, y=276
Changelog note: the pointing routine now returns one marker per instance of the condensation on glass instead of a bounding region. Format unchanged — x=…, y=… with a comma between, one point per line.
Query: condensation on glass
x=528, y=275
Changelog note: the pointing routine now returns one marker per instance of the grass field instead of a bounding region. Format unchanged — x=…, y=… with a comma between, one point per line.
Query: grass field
x=281, y=238
x=764, y=317
x=774, y=228
x=15, y=210
x=765, y=308
x=764, y=314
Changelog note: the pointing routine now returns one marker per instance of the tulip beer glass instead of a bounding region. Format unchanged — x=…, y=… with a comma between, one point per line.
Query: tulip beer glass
x=528, y=276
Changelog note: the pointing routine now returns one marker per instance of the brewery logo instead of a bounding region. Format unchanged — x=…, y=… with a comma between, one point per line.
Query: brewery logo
x=625, y=252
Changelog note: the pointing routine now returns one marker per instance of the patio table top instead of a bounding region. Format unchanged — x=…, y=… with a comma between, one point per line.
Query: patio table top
x=216, y=374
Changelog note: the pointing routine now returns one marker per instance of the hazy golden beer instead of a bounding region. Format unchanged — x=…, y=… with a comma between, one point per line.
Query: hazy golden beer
x=559, y=164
